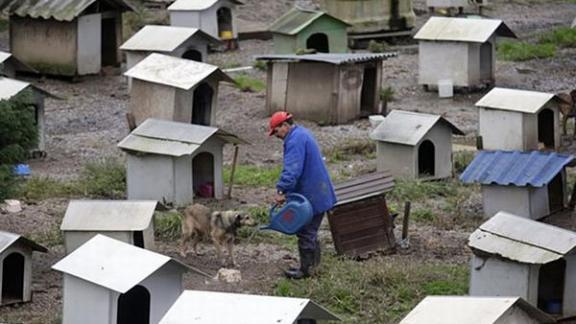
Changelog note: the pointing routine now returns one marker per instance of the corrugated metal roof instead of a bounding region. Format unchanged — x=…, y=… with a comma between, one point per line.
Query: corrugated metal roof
x=108, y=215
x=174, y=71
x=11, y=87
x=164, y=137
x=296, y=19
x=516, y=100
x=163, y=38
x=470, y=310
x=195, y=5
x=522, y=239
x=363, y=187
x=207, y=307
x=408, y=128
x=515, y=168
x=112, y=264
x=8, y=239
x=331, y=58
x=63, y=10
x=462, y=29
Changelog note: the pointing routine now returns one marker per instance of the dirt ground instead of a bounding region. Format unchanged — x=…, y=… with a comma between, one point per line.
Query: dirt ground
x=88, y=121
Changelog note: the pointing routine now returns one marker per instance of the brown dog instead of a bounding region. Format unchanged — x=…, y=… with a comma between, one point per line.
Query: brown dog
x=199, y=221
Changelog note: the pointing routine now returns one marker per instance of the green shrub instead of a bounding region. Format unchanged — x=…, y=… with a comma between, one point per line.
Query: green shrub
x=105, y=179
x=7, y=182
x=167, y=225
x=462, y=159
x=377, y=47
x=247, y=84
x=260, y=65
x=520, y=51
x=562, y=37
x=386, y=94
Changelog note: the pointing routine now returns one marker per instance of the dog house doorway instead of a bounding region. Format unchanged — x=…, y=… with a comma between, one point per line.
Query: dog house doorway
x=551, y=281
x=224, y=23
x=134, y=306
x=202, y=104
x=426, y=159
x=203, y=175
x=546, y=128
x=109, y=45
x=193, y=55
x=486, y=62
x=13, y=278
x=318, y=42
x=556, y=193
x=138, y=237
x=368, y=95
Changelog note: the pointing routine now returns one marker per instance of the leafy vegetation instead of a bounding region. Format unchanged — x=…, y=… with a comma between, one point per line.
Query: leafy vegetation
x=377, y=47
x=462, y=159
x=522, y=51
x=247, y=84
x=260, y=65
x=562, y=37
x=167, y=225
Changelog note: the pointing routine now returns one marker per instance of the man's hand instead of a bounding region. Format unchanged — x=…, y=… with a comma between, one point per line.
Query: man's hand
x=279, y=198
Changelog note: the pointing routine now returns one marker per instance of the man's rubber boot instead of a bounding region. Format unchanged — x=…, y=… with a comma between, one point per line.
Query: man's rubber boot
x=317, y=255
x=306, y=264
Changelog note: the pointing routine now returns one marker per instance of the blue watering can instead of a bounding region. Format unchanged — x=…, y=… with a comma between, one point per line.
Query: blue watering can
x=292, y=216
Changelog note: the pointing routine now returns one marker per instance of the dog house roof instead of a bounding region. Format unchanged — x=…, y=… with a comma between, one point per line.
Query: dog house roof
x=175, y=72
x=331, y=58
x=467, y=310
x=516, y=100
x=113, y=264
x=194, y=5
x=10, y=87
x=296, y=19
x=515, y=168
x=363, y=187
x=408, y=128
x=206, y=307
x=522, y=239
x=462, y=29
x=7, y=239
x=164, y=137
x=62, y=10
x=163, y=38
x=108, y=215
x=6, y=57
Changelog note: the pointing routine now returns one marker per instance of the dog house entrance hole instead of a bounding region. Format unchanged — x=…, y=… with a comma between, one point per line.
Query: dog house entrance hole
x=551, y=280
x=368, y=97
x=486, y=62
x=203, y=175
x=224, y=23
x=202, y=104
x=426, y=160
x=546, y=128
x=138, y=237
x=13, y=278
x=193, y=55
x=109, y=44
x=134, y=306
x=556, y=193
x=319, y=42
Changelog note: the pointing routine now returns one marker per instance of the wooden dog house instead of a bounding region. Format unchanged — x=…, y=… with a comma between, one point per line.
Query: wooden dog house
x=107, y=281
x=326, y=88
x=172, y=162
x=16, y=268
x=528, y=184
x=129, y=221
x=522, y=120
x=175, y=89
x=207, y=307
x=460, y=50
x=66, y=37
x=415, y=145
x=516, y=256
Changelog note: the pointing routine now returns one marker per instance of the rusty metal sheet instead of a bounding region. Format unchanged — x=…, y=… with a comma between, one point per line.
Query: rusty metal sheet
x=524, y=101
x=462, y=29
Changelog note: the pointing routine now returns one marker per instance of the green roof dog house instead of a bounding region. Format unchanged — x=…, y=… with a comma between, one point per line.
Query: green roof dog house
x=309, y=29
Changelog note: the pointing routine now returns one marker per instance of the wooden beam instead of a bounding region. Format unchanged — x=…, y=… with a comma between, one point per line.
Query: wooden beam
x=234, y=161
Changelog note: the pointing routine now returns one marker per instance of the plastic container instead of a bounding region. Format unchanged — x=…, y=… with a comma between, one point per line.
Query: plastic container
x=553, y=306
x=21, y=170
x=206, y=190
x=445, y=88
x=292, y=216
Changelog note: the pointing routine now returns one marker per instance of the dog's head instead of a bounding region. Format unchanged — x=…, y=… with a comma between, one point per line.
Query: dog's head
x=236, y=218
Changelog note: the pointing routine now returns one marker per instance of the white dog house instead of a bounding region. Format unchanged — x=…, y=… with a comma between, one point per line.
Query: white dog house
x=184, y=42
x=528, y=184
x=519, y=120
x=515, y=256
x=475, y=310
x=459, y=50
x=176, y=89
x=66, y=37
x=10, y=64
x=11, y=87
x=215, y=17
x=109, y=281
x=16, y=268
x=229, y=308
x=172, y=162
x=129, y=221
x=415, y=145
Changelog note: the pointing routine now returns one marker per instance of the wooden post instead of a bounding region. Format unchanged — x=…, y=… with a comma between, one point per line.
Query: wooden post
x=405, y=220
x=572, y=202
x=234, y=160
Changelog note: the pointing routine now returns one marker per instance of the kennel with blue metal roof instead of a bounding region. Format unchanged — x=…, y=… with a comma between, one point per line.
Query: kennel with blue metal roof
x=529, y=184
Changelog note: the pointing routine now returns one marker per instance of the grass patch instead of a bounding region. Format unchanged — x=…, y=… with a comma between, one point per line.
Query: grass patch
x=349, y=149
x=260, y=65
x=462, y=159
x=521, y=51
x=415, y=190
x=562, y=37
x=254, y=176
x=49, y=237
x=247, y=84
x=167, y=225
x=375, y=291
x=41, y=188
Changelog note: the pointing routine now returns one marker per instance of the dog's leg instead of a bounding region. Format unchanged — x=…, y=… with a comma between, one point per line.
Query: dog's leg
x=195, y=240
x=184, y=244
x=230, y=248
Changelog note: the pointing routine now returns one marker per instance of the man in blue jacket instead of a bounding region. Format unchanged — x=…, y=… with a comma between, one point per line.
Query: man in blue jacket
x=303, y=172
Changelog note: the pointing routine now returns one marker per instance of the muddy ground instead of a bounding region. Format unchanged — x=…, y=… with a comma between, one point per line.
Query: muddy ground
x=88, y=121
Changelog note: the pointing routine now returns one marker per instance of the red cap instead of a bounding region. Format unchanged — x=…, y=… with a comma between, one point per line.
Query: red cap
x=277, y=119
